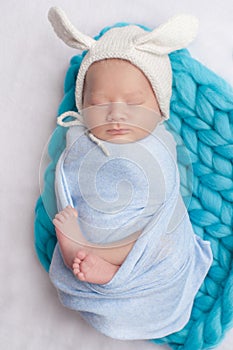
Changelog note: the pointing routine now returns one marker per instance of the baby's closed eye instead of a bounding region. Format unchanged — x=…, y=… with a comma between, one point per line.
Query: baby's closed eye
x=96, y=102
x=105, y=103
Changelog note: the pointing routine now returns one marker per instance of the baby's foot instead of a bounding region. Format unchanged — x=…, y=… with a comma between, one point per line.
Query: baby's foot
x=68, y=233
x=66, y=222
x=91, y=268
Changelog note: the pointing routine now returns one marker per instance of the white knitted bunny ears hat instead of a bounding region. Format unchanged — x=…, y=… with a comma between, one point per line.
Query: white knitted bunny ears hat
x=146, y=50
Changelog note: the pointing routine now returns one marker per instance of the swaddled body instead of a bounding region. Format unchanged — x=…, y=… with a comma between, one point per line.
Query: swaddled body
x=115, y=195
x=152, y=293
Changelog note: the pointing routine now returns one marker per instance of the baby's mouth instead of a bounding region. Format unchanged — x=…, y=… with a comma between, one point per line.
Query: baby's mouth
x=118, y=131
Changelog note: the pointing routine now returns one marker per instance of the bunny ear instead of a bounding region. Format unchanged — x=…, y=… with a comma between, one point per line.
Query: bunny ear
x=175, y=34
x=67, y=32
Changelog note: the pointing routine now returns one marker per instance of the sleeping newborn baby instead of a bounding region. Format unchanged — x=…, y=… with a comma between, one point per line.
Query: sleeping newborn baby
x=127, y=257
x=117, y=123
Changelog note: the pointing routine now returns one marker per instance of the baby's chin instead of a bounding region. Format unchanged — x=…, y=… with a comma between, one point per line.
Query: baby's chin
x=120, y=140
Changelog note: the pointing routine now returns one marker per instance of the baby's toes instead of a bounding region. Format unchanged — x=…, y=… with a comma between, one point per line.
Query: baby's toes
x=77, y=261
x=81, y=254
x=71, y=212
x=76, y=270
x=58, y=218
x=81, y=276
x=76, y=266
x=64, y=214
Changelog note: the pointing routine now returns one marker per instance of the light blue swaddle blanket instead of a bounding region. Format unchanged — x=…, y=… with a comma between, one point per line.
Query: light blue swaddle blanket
x=135, y=187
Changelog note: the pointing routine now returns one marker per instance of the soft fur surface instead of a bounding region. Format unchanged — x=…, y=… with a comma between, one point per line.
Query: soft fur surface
x=33, y=69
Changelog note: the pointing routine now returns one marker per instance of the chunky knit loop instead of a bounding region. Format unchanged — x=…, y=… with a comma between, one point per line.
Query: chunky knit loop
x=202, y=115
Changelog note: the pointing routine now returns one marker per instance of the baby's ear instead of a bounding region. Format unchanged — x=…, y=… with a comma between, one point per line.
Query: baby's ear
x=175, y=34
x=67, y=32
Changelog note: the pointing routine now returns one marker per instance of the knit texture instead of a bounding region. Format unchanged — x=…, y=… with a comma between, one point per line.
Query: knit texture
x=147, y=50
x=202, y=114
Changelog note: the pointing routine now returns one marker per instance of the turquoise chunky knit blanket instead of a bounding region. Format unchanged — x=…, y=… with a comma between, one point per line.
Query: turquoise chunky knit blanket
x=202, y=116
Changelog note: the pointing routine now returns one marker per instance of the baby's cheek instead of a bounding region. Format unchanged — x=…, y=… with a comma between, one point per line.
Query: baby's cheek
x=99, y=132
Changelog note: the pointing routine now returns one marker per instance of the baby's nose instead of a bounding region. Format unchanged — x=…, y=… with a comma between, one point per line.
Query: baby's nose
x=117, y=112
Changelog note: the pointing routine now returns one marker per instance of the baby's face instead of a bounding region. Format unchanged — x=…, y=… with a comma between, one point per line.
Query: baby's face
x=111, y=81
